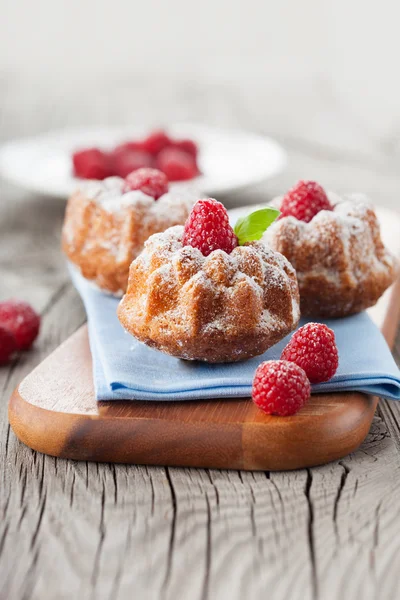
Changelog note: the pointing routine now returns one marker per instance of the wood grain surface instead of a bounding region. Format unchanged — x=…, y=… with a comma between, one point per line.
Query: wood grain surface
x=87, y=530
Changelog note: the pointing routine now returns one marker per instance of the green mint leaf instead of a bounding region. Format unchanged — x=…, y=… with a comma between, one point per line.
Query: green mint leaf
x=252, y=227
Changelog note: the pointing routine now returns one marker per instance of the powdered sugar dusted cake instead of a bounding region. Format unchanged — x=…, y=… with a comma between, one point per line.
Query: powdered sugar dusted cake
x=106, y=224
x=341, y=263
x=218, y=307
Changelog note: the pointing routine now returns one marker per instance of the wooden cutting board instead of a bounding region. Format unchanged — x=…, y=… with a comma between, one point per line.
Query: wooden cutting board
x=54, y=411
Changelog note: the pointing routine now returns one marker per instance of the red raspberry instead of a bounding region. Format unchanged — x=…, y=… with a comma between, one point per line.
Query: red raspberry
x=132, y=146
x=156, y=141
x=20, y=318
x=280, y=388
x=188, y=146
x=313, y=348
x=304, y=201
x=125, y=161
x=149, y=181
x=207, y=228
x=91, y=163
x=176, y=164
x=8, y=344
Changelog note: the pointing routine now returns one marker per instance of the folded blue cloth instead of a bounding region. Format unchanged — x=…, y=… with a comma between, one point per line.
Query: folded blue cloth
x=125, y=369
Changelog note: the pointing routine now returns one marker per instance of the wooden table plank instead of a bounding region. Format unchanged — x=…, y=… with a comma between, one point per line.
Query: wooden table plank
x=112, y=531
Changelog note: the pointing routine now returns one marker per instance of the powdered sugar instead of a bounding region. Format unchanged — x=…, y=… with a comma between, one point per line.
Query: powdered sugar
x=106, y=228
x=337, y=252
x=113, y=201
x=110, y=196
x=348, y=220
x=221, y=274
x=94, y=190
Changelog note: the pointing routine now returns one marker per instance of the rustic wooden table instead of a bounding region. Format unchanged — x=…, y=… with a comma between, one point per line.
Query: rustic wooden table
x=83, y=530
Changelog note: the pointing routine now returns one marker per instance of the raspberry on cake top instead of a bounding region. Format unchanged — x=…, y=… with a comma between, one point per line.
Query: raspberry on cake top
x=107, y=222
x=204, y=291
x=335, y=246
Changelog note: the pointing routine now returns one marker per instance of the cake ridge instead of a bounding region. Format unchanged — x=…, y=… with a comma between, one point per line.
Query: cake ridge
x=105, y=227
x=220, y=308
x=341, y=263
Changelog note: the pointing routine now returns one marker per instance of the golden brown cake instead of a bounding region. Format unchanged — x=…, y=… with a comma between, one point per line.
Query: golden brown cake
x=105, y=228
x=341, y=263
x=216, y=308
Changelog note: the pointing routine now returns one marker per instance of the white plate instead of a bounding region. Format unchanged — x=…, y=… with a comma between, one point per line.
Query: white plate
x=229, y=160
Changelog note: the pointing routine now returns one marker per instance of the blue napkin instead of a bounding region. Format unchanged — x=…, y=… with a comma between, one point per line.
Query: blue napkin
x=125, y=369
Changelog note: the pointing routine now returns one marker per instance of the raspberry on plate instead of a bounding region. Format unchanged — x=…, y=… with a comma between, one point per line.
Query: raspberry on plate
x=156, y=141
x=177, y=164
x=313, y=348
x=125, y=161
x=304, y=201
x=149, y=181
x=20, y=318
x=8, y=344
x=91, y=163
x=280, y=388
x=132, y=146
x=207, y=228
x=188, y=146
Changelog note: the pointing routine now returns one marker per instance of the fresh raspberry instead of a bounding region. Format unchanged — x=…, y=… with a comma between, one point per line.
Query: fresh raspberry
x=8, y=344
x=304, y=201
x=149, y=181
x=20, y=318
x=91, y=163
x=188, y=146
x=131, y=146
x=207, y=228
x=125, y=161
x=313, y=348
x=156, y=141
x=176, y=164
x=280, y=388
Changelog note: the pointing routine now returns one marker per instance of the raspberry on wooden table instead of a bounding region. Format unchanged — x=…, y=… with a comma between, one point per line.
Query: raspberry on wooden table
x=124, y=161
x=177, y=164
x=313, y=348
x=23, y=322
x=207, y=228
x=91, y=163
x=280, y=388
x=304, y=201
x=152, y=182
x=8, y=344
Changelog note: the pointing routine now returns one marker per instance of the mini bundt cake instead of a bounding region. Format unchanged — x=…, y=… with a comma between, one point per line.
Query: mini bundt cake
x=107, y=222
x=196, y=294
x=335, y=246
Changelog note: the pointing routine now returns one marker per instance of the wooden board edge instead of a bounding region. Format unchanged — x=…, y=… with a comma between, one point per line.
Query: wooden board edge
x=140, y=441
x=350, y=428
x=247, y=446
